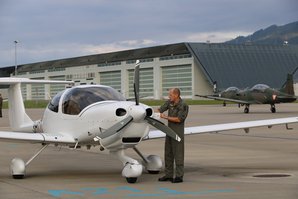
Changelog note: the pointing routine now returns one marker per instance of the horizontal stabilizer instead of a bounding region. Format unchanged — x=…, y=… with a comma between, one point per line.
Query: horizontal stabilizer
x=13, y=80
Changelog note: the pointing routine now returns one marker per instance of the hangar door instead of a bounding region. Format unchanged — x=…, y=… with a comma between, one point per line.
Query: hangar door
x=146, y=83
x=179, y=76
x=112, y=79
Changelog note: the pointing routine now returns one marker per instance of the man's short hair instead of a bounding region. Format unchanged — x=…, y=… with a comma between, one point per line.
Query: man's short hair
x=176, y=91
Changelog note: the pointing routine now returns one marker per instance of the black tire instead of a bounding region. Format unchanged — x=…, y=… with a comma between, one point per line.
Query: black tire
x=246, y=110
x=18, y=176
x=131, y=180
x=153, y=172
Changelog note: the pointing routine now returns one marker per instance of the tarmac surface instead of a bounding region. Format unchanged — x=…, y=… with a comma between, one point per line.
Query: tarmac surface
x=232, y=164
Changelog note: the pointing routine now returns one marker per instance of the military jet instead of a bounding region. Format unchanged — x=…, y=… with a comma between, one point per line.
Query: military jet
x=258, y=94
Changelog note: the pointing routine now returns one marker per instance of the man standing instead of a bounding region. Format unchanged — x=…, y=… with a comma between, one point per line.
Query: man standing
x=174, y=150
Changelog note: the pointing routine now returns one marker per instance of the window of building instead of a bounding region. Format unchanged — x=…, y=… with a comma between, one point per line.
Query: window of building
x=170, y=57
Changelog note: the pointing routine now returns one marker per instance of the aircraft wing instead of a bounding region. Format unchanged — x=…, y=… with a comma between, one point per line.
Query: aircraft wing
x=36, y=137
x=228, y=126
x=228, y=99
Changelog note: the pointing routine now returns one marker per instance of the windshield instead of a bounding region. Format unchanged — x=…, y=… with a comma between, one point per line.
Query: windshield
x=54, y=103
x=76, y=99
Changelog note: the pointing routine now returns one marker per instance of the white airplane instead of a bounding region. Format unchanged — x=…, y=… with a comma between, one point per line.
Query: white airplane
x=97, y=115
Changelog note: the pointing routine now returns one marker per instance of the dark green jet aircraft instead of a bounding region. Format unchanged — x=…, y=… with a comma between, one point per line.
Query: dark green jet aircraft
x=258, y=94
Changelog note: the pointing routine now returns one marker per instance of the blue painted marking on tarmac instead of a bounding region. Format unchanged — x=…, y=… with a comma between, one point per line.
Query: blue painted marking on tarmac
x=97, y=191
x=132, y=192
x=58, y=193
x=126, y=188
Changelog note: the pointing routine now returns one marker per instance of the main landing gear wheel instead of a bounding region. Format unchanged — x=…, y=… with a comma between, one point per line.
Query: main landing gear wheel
x=18, y=168
x=131, y=180
x=246, y=110
x=273, y=109
x=153, y=164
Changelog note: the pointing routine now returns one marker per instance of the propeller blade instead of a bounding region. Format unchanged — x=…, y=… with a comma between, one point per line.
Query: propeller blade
x=161, y=126
x=136, y=83
x=116, y=127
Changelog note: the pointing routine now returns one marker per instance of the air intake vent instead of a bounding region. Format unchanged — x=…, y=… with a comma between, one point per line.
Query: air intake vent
x=131, y=139
x=120, y=112
x=149, y=112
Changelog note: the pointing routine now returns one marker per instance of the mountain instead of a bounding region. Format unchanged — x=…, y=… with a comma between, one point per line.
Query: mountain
x=272, y=35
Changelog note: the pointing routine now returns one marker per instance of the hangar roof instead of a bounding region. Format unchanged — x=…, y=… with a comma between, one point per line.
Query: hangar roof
x=245, y=65
x=142, y=53
x=240, y=65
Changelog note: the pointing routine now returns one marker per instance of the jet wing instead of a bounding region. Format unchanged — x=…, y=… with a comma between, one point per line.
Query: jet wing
x=228, y=99
x=36, y=137
x=228, y=126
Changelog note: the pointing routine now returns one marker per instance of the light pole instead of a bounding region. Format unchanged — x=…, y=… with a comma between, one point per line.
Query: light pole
x=15, y=58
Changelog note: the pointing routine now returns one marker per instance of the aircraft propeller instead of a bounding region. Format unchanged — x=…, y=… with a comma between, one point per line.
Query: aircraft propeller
x=136, y=83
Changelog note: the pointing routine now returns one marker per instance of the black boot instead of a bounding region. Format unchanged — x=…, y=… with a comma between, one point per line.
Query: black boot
x=178, y=180
x=165, y=178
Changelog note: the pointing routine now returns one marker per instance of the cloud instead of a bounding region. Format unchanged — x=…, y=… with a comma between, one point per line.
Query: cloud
x=215, y=37
x=88, y=49
x=38, y=53
x=59, y=29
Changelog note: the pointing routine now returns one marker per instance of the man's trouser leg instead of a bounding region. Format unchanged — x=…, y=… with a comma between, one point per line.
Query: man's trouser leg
x=169, y=158
x=178, y=148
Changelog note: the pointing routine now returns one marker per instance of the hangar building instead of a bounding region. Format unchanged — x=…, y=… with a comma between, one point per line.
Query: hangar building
x=193, y=67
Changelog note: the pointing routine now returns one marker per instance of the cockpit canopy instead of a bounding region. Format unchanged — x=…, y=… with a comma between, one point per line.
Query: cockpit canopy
x=260, y=87
x=74, y=100
x=235, y=89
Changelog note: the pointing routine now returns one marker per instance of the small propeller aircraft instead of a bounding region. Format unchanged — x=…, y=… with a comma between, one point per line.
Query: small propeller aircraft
x=258, y=94
x=98, y=116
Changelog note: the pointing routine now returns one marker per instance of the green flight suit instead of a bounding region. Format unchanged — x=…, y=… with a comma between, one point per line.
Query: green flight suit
x=174, y=150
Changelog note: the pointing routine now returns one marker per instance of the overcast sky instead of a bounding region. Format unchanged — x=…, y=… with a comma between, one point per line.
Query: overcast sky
x=56, y=29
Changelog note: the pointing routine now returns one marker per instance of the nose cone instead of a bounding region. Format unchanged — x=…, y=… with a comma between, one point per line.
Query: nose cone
x=137, y=112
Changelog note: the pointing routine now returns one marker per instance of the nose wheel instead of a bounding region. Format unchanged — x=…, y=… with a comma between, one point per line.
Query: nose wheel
x=131, y=180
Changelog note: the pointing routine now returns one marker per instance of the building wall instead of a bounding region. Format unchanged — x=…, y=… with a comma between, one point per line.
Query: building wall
x=157, y=75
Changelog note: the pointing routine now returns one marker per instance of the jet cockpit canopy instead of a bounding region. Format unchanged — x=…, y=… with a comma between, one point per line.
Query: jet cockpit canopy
x=234, y=89
x=260, y=87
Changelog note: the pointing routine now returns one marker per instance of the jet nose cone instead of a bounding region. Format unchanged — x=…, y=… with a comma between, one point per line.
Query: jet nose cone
x=137, y=112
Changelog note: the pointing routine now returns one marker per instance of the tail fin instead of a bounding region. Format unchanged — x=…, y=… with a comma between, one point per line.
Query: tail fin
x=288, y=86
x=18, y=118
